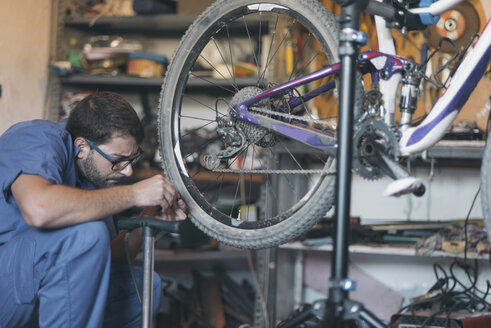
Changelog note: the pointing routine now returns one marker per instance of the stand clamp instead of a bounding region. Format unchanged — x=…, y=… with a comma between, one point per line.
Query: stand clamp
x=345, y=284
x=352, y=35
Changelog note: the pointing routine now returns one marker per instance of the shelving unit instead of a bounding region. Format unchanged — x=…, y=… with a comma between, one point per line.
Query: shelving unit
x=157, y=27
x=169, y=24
x=383, y=274
x=458, y=149
x=164, y=26
x=396, y=250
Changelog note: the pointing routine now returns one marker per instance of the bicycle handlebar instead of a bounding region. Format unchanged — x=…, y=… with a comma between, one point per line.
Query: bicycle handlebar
x=381, y=9
x=398, y=15
x=389, y=11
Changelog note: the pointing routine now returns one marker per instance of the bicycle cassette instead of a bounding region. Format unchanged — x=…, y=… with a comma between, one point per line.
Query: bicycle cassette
x=370, y=137
x=255, y=134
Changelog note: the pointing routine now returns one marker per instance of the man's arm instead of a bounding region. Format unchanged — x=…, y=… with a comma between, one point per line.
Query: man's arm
x=47, y=205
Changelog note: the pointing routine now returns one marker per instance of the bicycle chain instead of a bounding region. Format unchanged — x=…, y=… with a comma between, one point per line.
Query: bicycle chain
x=309, y=171
x=288, y=116
x=293, y=117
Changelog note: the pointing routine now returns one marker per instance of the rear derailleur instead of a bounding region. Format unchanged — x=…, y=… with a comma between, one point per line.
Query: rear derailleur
x=234, y=141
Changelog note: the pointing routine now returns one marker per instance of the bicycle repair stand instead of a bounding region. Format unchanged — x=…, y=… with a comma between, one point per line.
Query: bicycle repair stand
x=338, y=309
x=150, y=227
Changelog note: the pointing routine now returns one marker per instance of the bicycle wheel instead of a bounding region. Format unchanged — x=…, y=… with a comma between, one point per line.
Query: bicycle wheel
x=273, y=189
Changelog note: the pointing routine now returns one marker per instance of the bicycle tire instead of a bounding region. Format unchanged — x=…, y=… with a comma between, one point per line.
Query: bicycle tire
x=485, y=186
x=181, y=145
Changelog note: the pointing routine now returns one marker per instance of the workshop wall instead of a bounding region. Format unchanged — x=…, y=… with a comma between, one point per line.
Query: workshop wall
x=24, y=40
x=449, y=195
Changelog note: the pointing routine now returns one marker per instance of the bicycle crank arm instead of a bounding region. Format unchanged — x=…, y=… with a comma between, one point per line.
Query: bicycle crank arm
x=404, y=183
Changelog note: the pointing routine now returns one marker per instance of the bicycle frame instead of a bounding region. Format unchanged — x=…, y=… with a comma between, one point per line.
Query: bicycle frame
x=412, y=139
x=433, y=127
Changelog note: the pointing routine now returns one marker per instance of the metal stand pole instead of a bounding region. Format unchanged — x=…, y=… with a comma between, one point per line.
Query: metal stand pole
x=148, y=265
x=349, y=40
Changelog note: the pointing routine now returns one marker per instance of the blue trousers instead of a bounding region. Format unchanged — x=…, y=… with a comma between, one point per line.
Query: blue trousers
x=64, y=278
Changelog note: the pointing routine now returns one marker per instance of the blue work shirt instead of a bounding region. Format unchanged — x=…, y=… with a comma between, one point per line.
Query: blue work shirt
x=42, y=148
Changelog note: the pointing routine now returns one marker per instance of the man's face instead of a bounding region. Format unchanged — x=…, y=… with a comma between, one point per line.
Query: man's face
x=98, y=170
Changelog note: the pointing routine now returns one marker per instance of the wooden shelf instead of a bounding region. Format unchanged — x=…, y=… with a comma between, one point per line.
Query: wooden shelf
x=204, y=176
x=139, y=23
x=383, y=250
x=457, y=149
x=163, y=26
x=135, y=83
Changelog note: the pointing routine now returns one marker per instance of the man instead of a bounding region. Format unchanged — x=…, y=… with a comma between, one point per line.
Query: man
x=58, y=245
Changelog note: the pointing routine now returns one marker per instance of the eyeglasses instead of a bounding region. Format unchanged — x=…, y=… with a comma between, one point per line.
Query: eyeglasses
x=117, y=164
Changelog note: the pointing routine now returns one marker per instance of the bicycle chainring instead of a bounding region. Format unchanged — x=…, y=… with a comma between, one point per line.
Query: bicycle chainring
x=370, y=135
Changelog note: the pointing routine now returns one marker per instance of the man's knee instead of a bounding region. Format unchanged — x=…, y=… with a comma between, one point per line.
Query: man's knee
x=89, y=238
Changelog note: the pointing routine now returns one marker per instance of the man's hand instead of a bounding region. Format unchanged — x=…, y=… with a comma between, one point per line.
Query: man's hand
x=155, y=191
x=159, y=191
x=177, y=212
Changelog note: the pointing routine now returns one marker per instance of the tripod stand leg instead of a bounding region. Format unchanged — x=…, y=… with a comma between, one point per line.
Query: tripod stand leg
x=318, y=310
x=371, y=319
x=148, y=265
x=355, y=311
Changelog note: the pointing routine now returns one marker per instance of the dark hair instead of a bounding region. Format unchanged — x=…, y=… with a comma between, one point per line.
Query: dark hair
x=100, y=115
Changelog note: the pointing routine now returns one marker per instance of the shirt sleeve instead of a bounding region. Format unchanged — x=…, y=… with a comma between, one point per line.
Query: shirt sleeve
x=41, y=149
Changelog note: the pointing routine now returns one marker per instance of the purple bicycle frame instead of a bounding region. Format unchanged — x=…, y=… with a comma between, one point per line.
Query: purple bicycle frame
x=372, y=62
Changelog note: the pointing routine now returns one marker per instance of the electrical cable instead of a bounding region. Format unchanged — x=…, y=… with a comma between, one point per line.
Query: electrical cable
x=469, y=298
x=467, y=221
x=449, y=299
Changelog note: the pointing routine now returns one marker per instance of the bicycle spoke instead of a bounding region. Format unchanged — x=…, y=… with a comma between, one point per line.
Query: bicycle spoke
x=260, y=79
x=231, y=57
x=250, y=42
x=213, y=83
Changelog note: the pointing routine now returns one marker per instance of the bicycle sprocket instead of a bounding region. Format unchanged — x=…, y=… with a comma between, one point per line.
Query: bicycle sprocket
x=255, y=134
x=371, y=134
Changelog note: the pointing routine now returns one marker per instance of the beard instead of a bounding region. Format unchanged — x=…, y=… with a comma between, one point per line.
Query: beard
x=91, y=172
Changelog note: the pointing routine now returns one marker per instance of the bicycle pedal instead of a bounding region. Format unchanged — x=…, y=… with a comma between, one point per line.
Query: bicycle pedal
x=404, y=186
